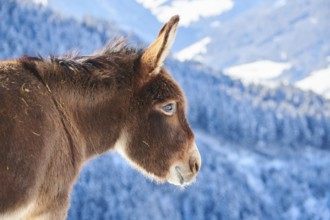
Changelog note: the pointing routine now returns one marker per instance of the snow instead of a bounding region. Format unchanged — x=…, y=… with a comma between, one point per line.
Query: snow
x=215, y=24
x=194, y=51
x=314, y=20
x=41, y=2
x=259, y=71
x=189, y=10
x=280, y=3
x=295, y=32
x=318, y=81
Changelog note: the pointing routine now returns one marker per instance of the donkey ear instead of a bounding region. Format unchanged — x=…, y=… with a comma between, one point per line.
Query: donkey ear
x=153, y=57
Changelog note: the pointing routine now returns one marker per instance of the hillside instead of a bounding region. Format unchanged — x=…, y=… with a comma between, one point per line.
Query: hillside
x=36, y=30
x=295, y=33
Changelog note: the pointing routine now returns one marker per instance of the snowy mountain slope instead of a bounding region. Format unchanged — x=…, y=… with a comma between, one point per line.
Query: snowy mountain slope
x=318, y=81
x=128, y=14
x=275, y=165
x=250, y=113
x=145, y=16
x=247, y=31
x=296, y=32
x=238, y=32
x=34, y=30
x=262, y=71
x=234, y=183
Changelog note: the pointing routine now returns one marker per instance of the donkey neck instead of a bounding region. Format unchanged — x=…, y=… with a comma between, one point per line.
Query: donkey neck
x=92, y=97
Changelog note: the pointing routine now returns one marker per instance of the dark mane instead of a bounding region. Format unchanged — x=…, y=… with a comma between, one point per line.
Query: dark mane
x=113, y=51
x=115, y=58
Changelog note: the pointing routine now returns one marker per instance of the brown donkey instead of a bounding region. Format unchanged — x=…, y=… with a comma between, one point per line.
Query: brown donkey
x=56, y=114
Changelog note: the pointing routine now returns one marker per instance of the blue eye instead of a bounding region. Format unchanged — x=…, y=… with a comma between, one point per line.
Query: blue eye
x=169, y=109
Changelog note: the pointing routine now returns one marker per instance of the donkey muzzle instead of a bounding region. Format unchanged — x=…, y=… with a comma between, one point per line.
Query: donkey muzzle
x=184, y=172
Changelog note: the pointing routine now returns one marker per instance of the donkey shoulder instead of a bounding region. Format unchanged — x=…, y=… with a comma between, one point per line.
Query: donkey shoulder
x=28, y=126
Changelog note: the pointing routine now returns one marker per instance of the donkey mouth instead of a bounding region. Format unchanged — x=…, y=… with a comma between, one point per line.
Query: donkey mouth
x=183, y=180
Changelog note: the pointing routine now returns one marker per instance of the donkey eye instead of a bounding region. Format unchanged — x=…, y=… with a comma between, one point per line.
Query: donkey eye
x=169, y=109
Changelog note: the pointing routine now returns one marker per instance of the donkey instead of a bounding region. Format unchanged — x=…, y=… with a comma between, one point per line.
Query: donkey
x=56, y=114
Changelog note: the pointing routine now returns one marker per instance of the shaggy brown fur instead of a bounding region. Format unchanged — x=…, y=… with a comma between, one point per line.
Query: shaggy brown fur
x=56, y=114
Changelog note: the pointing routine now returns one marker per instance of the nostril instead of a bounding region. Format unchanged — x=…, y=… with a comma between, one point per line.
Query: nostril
x=194, y=166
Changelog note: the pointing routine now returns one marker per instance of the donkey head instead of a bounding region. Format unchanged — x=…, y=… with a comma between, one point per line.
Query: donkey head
x=157, y=139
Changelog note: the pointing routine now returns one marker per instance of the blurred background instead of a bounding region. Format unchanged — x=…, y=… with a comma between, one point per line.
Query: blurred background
x=257, y=78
